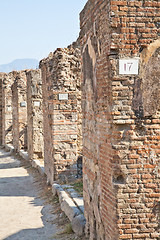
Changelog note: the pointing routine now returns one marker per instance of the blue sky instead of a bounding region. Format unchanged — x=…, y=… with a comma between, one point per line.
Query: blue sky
x=34, y=28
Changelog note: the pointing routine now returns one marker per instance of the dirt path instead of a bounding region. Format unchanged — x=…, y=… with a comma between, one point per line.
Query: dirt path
x=27, y=208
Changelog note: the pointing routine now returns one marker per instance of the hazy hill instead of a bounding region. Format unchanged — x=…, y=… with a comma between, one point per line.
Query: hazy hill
x=19, y=64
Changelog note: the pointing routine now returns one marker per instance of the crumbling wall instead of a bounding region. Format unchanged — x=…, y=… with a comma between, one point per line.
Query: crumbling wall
x=62, y=113
x=19, y=114
x=47, y=131
x=121, y=118
x=99, y=195
x=7, y=137
x=34, y=115
x=1, y=107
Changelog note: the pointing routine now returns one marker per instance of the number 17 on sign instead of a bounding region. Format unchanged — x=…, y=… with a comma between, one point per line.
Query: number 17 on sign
x=128, y=66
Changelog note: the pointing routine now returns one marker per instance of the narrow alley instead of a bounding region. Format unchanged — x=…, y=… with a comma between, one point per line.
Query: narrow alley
x=27, y=208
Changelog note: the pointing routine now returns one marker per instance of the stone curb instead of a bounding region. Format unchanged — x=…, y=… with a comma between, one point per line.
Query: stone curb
x=75, y=197
x=70, y=209
x=23, y=154
x=9, y=148
x=38, y=165
x=71, y=206
x=35, y=163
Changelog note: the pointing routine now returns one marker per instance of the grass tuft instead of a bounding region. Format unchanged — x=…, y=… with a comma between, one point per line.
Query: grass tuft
x=78, y=186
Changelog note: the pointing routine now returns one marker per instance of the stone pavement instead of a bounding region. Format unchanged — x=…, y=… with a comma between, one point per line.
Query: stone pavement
x=24, y=214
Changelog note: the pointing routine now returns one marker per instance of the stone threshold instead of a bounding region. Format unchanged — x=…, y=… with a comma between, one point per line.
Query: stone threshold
x=71, y=203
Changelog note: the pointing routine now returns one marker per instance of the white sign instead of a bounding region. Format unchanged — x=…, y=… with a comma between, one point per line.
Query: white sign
x=63, y=96
x=128, y=66
x=37, y=103
x=9, y=109
x=23, y=104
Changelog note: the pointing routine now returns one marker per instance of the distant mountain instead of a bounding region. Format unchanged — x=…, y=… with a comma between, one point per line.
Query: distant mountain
x=19, y=64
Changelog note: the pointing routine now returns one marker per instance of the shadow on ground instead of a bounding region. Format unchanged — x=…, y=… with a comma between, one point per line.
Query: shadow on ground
x=34, y=185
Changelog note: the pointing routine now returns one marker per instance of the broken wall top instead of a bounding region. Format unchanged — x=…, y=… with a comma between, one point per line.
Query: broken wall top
x=63, y=65
x=133, y=24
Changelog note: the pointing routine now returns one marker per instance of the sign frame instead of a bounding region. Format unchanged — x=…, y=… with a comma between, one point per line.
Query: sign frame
x=37, y=103
x=23, y=104
x=129, y=66
x=63, y=96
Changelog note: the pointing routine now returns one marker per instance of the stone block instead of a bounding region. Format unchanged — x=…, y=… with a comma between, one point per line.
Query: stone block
x=78, y=224
x=68, y=206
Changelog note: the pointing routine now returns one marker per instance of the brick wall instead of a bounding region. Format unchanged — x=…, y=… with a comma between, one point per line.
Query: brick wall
x=99, y=194
x=121, y=119
x=134, y=25
x=34, y=114
x=62, y=112
x=19, y=113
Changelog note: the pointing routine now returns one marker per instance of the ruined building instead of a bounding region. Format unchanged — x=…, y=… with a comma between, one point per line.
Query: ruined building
x=1, y=82
x=118, y=71
x=120, y=43
x=6, y=106
x=34, y=115
x=52, y=93
x=19, y=110
x=62, y=113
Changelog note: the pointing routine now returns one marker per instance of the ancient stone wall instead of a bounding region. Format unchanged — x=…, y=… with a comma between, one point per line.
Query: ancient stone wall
x=7, y=137
x=47, y=131
x=19, y=113
x=1, y=107
x=62, y=113
x=34, y=114
x=121, y=129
